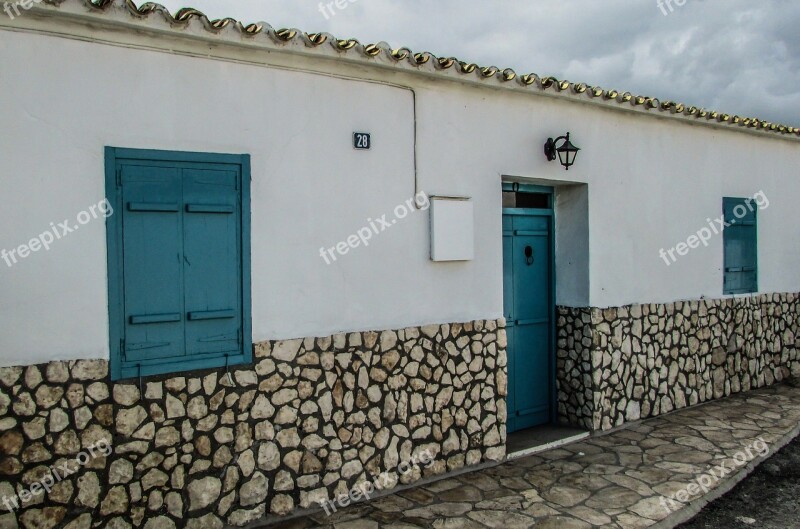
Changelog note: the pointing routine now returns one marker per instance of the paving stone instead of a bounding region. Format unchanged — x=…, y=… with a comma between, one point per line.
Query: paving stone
x=483, y=482
x=446, y=510
x=652, y=476
x=631, y=483
x=504, y=503
x=444, y=485
x=588, y=481
x=501, y=519
x=613, y=498
x=457, y=523
x=393, y=503
x=540, y=510
x=650, y=508
x=562, y=522
x=591, y=516
x=357, y=524
x=419, y=496
x=631, y=521
x=461, y=493
x=566, y=496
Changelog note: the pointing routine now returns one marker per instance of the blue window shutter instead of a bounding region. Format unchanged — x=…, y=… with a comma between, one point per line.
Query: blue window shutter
x=178, y=261
x=152, y=250
x=740, y=246
x=212, y=265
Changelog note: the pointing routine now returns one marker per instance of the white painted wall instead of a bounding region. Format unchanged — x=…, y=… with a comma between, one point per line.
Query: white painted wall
x=572, y=245
x=651, y=183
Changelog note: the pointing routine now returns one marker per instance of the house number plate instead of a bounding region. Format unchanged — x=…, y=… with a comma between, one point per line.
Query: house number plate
x=362, y=141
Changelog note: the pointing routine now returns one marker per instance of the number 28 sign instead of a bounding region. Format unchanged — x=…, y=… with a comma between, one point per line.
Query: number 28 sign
x=362, y=141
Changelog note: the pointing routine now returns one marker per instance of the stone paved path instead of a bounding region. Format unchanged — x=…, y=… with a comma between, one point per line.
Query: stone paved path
x=619, y=480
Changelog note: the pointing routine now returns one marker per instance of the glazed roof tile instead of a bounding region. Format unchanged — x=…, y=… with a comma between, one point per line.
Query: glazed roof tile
x=425, y=61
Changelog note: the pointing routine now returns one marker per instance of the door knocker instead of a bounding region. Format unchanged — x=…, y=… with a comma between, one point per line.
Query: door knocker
x=529, y=255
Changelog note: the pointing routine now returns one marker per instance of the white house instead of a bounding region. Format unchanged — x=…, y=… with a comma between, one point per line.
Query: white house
x=244, y=269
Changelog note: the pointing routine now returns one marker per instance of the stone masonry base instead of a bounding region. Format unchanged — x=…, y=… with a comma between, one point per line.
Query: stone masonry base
x=307, y=421
x=628, y=363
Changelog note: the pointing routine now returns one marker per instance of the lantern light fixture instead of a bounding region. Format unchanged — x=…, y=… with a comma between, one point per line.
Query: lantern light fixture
x=565, y=152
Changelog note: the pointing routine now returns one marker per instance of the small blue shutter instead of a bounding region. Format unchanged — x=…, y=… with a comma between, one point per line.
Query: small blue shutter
x=741, y=247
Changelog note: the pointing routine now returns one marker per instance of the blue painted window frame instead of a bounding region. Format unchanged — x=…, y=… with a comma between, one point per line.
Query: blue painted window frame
x=738, y=225
x=120, y=370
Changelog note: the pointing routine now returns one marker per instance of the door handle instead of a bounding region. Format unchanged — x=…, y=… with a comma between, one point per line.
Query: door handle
x=529, y=255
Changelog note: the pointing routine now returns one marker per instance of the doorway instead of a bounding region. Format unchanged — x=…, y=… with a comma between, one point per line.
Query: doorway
x=529, y=304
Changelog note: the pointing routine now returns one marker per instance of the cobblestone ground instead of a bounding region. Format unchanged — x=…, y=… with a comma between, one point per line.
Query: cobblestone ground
x=620, y=480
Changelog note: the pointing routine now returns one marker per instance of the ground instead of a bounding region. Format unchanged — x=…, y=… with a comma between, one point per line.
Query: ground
x=768, y=499
x=631, y=478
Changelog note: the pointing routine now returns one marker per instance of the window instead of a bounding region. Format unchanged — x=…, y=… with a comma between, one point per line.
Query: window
x=741, y=248
x=178, y=261
x=526, y=196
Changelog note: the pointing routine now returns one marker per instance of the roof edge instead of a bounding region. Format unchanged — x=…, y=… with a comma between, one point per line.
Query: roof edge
x=192, y=23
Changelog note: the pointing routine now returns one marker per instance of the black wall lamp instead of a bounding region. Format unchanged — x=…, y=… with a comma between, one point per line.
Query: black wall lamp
x=566, y=152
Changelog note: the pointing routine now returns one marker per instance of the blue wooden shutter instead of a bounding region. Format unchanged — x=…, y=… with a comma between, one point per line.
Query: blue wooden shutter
x=741, y=246
x=152, y=250
x=178, y=261
x=212, y=271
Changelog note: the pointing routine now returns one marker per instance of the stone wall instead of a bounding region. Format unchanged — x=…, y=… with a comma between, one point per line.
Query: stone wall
x=628, y=363
x=574, y=346
x=307, y=421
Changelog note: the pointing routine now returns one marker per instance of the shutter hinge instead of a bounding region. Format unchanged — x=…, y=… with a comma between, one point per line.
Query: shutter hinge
x=241, y=336
x=119, y=177
x=122, y=347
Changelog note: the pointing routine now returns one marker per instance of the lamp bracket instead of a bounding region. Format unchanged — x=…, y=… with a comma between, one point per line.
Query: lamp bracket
x=550, y=147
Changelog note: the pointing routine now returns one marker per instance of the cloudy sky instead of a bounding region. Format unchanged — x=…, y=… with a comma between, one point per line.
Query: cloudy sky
x=736, y=56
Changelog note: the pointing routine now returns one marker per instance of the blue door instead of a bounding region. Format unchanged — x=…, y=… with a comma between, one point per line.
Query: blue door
x=529, y=309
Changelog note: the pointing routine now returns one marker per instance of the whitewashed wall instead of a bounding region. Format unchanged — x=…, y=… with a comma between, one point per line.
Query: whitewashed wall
x=651, y=183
